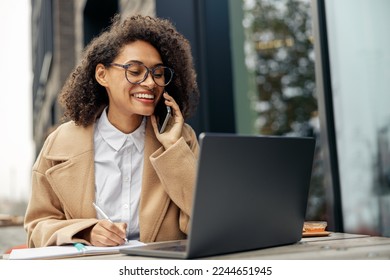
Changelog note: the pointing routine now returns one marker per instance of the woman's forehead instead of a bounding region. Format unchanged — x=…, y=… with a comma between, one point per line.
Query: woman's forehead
x=140, y=51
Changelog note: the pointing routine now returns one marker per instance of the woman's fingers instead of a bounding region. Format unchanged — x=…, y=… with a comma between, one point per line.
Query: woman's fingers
x=105, y=233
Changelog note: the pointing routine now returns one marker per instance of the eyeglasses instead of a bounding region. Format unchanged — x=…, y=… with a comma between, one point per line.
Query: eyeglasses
x=136, y=73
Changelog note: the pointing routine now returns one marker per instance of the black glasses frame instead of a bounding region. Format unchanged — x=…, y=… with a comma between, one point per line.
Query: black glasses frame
x=148, y=70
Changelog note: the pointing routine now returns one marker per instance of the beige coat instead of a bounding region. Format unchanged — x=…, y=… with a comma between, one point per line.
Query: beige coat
x=63, y=187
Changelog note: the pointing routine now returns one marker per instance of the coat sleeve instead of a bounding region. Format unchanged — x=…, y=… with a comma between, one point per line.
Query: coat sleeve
x=176, y=168
x=46, y=222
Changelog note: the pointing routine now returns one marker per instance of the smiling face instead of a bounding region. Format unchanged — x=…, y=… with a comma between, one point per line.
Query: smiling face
x=128, y=103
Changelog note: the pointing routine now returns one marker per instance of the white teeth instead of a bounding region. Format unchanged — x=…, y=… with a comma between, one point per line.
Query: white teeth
x=144, y=95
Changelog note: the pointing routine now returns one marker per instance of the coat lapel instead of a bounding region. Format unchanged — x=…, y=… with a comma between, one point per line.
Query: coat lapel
x=73, y=182
x=73, y=177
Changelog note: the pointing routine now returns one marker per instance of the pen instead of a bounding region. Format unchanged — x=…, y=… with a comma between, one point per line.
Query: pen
x=101, y=212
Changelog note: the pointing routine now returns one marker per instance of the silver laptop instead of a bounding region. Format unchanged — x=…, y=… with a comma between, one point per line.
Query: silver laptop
x=251, y=193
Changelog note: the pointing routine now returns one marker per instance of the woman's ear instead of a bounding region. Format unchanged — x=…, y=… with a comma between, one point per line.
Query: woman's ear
x=100, y=74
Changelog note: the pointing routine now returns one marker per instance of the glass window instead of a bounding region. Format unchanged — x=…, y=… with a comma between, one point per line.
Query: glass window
x=358, y=41
x=279, y=54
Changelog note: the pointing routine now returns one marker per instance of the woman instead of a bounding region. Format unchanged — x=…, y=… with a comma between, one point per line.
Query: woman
x=111, y=152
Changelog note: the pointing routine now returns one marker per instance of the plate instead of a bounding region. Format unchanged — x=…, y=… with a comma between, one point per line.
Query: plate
x=315, y=233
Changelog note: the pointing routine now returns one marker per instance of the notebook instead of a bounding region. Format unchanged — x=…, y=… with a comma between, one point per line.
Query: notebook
x=66, y=251
x=251, y=193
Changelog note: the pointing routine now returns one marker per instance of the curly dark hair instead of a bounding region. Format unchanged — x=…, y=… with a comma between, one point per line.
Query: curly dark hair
x=83, y=97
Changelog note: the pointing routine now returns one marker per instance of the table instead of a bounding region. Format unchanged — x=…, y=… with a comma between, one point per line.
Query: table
x=336, y=246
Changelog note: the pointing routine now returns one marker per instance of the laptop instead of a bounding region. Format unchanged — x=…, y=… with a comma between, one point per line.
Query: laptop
x=251, y=193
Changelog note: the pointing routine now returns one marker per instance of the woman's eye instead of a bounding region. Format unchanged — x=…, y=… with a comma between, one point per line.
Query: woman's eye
x=158, y=73
x=134, y=73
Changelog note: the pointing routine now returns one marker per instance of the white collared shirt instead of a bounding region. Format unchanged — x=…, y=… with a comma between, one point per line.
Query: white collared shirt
x=118, y=172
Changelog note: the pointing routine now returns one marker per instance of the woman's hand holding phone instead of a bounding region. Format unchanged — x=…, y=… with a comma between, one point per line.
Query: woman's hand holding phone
x=174, y=125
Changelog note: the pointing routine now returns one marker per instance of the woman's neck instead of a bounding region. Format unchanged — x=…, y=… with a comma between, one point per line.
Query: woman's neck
x=123, y=123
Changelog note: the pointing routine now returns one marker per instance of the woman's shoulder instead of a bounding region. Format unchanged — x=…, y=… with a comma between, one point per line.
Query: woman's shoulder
x=69, y=137
x=70, y=129
x=188, y=132
x=190, y=137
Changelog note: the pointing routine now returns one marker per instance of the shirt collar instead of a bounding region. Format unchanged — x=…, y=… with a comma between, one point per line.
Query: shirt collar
x=116, y=138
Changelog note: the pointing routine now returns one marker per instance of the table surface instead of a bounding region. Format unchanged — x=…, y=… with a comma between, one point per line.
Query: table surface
x=336, y=246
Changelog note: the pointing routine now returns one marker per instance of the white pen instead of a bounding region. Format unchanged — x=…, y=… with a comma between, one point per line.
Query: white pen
x=101, y=212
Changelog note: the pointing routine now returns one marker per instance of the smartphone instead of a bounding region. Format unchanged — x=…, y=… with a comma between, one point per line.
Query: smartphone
x=164, y=118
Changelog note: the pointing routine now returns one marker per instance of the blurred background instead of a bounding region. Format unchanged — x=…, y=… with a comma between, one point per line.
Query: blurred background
x=265, y=67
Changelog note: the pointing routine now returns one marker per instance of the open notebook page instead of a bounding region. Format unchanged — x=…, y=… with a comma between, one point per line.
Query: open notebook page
x=66, y=251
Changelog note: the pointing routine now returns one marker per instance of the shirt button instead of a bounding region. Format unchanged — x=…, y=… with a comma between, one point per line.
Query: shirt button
x=126, y=206
x=126, y=179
